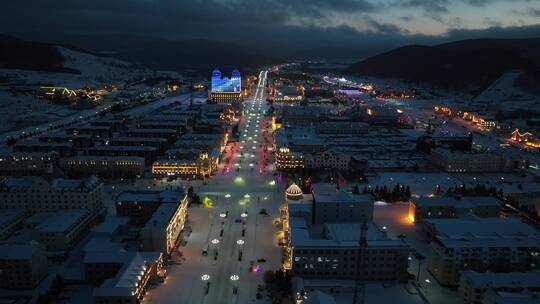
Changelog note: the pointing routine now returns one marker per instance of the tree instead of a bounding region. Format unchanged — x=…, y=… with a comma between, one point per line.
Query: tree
x=356, y=189
x=190, y=192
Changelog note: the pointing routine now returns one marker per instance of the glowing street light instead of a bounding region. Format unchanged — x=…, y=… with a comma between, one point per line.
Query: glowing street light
x=205, y=277
x=244, y=214
x=235, y=277
x=214, y=241
x=222, y=214
x=240, y=242
x=247, y=196
x=272, y=183
x=227, y=195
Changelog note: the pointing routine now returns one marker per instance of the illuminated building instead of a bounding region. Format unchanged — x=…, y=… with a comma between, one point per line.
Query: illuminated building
x=226, y=89
x=27, y=163
x=139, y=206
x=289, y=94
x=321, y=232
x=203, y=166
x=526, y=138
x=104, y=166
x=287, y=160
x=130, y=273
x=162, y=230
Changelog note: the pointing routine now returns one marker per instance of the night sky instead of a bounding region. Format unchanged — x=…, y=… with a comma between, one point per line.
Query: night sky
x=292, y=22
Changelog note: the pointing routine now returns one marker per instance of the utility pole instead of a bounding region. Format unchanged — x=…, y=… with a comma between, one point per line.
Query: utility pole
x=359, y=284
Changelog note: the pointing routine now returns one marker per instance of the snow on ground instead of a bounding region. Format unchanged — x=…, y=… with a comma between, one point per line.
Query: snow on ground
x=503, y=91
x=22, y=110
x=98, y=71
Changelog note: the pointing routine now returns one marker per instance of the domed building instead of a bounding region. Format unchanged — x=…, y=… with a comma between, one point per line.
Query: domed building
x=294, y=192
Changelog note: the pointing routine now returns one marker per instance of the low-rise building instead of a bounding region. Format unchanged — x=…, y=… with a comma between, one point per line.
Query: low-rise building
x=503, y=297
x=148, y=153
x=22, y=265
x=104, y=166
x=125, y=275
x=327, y=160
x=21, y=164
x=473, y=285
x=331, y=205
x=330, y=251
x=449, y=256
x=10, y=221
x=35, y=194
x=140, y=205
x=162, y=231
x=474, y=162
x=287, y=160
x=472, y=225
x=202, y=165
x=452, y=207
x=61, y=230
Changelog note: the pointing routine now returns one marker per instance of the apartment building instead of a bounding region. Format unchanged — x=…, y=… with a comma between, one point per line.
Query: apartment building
x=21, y=164
x=35, y=194
x=104, y=166
x=449, y=256
x=162, y=231
x=125, y=276
x=330, y=251
x=10, y=221
x=473, y=285
x=23, y=265
x=139, y=206
x=60, y=231
x=331, y=205
x=451, y=207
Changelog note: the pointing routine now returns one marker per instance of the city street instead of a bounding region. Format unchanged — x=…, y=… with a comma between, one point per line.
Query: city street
x=238, y=238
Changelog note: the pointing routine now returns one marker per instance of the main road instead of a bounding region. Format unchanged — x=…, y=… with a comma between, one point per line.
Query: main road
x=237, y=236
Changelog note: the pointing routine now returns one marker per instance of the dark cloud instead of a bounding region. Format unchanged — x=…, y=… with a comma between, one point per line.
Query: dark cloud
x=384, y=28
x=281, y=23
x=429, y=6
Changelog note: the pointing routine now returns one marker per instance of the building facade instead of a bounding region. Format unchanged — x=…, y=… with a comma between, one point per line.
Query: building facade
x=226, y=89
x=104, y=166
x=23, y=265
x=162, y=231
x=35, y=194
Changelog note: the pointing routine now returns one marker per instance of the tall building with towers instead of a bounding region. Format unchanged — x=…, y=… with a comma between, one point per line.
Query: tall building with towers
x=225, y=89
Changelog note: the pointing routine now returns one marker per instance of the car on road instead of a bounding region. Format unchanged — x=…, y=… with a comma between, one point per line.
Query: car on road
x=237, y=220
x=261, y=260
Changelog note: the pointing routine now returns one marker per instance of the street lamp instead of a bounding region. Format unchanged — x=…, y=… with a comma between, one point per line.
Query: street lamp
x=235, y=277
x=227, y=195
x=247, y=196
x=215, y=241
x=205, y=277
x=244, y=214
x=240, y=242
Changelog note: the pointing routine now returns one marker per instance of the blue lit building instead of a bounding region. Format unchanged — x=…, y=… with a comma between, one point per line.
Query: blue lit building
x=226, y=89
